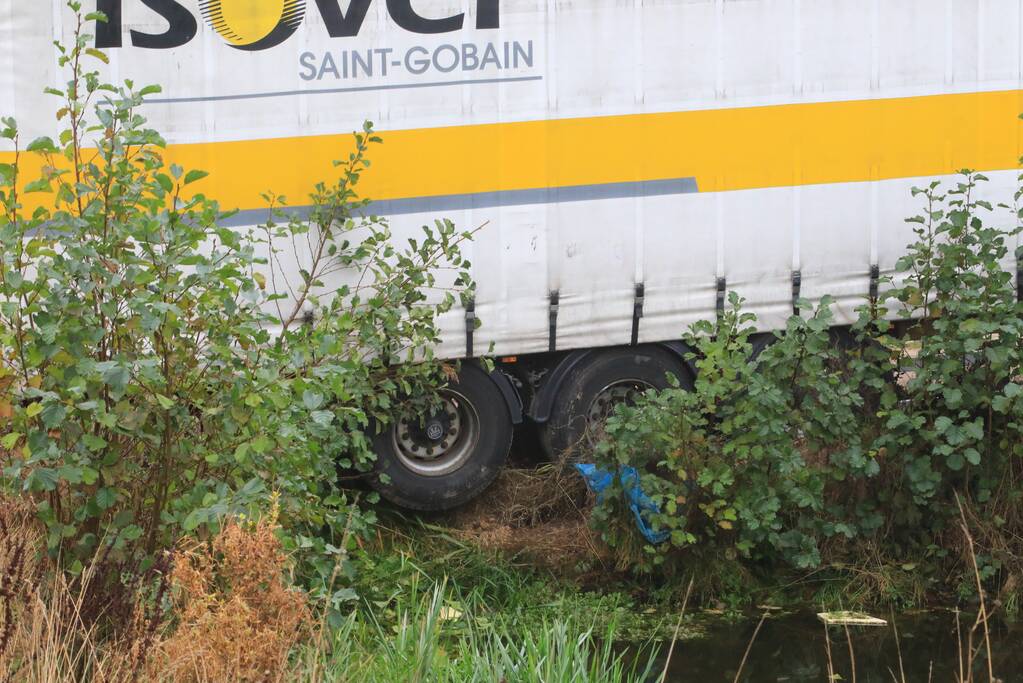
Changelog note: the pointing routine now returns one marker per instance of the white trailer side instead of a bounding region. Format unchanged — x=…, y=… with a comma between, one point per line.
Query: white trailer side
x=625, y=155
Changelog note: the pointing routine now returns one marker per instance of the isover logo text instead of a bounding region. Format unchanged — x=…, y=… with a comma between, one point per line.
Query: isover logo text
x=262, y=24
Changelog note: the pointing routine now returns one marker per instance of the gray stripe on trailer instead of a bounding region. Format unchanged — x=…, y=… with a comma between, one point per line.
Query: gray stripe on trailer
x=487, y=200
x=332, y=91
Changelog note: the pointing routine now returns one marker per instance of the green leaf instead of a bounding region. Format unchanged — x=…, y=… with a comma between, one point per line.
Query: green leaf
x=312, y=399
x=953, y=397
x=34, y=409
x=70, y=474
x=42, y=479
x=193, y=520
x=106, y=497
x=43, y=144
x=261, y=444
x=896, y=420
x=165, y=403
x=324, y=418
x=115, y=376
x=10, y=440
x=53, y=415
x=41, y=185
x=101, y=56
x=975, y=429
x=194, y=176
x=165, y=182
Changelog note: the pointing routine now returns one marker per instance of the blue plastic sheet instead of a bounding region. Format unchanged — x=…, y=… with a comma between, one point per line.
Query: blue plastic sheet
x=599, y=480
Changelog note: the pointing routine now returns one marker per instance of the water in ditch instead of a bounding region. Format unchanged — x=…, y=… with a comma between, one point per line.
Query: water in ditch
x=794, y=648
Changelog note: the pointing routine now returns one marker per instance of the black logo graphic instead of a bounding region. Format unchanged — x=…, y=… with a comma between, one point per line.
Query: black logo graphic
x=269, y=23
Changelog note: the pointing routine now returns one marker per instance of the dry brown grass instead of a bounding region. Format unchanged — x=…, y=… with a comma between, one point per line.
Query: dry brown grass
x=538, y=514
x=237, y=617
x=19, y=545
x=48, y=631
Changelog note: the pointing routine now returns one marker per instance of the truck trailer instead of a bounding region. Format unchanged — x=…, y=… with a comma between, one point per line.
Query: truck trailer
x=631, y=161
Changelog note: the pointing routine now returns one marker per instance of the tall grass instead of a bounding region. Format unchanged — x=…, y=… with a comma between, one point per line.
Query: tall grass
x=50, y=625
x=233, y=616
x=433, y=642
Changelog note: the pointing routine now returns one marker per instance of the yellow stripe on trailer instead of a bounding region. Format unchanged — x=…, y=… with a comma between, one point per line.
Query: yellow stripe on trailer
x=723, y=149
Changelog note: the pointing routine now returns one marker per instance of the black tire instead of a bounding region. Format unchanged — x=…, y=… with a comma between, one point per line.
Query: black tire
x=759, y=343
x=402, y=478
x=648, y=366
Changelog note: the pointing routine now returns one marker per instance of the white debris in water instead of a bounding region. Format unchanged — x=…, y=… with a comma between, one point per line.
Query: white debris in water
x=850, y=619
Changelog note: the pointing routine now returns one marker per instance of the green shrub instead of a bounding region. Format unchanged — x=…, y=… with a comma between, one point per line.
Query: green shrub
x=871, y=438
x=153, y=380
x=956, y=427
x=726, y=463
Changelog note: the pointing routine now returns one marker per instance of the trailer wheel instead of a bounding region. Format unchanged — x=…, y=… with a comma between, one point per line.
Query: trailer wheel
x=591, y=391
x=450, y=457
x=760, y=342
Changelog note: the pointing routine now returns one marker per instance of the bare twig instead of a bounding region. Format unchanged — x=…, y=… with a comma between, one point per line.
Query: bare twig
x=982, y=618
x=852, y=655
x=827, y=649
x=742, y=664
x=678, y=626
x=898, y=649
x=959, y=647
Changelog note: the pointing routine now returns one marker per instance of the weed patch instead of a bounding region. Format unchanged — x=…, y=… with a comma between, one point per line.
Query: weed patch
x=237, y=619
